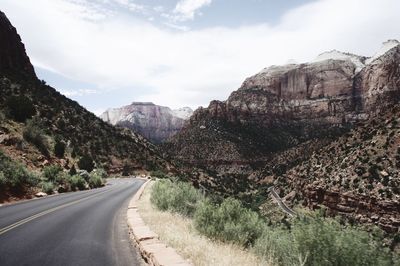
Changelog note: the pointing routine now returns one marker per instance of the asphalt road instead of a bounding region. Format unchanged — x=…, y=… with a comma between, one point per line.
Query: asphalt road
x=79, y=228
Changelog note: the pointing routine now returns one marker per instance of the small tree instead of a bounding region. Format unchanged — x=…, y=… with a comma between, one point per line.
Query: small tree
x=20, y=108
x=125, y=170
x=72, y=171
x=51, y=172
x=34, y=134
x=2, y=117
x=86, y=163
x=59, y=148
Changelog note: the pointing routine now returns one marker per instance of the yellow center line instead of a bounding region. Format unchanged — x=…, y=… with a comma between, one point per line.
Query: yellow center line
x=30, y=218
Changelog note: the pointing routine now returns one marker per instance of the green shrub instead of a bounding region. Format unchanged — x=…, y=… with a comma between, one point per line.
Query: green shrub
x=125, y=170
x=14, y=174
x=20, y=108
x=179, y=197
x=72, y=171
x=62, y=178
x=77, y=182
x=158, y=174
x=275, y=244
x=35, y=135
x=96, y=179
x=3, y=179
x=320, y=241
x=84, y=174
x=101, y=172
x=63, y=182
x=51, y=172
x=2, y=117
x=48, y=187
x=229, y=222
x=86, y=163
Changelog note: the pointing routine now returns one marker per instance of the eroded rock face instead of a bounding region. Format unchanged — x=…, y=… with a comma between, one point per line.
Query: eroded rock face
x=283, y=106
x=156, y=123
x=13, y=57
x=275, y=109
x=378, y=84
x=315, y=90
x=363, y=209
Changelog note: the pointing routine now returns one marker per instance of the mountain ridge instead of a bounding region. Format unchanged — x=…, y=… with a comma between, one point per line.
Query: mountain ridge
x=154, y=122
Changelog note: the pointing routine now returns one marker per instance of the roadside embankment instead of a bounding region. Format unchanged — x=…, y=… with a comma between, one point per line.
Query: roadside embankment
x=152, y=249
x=179, y=233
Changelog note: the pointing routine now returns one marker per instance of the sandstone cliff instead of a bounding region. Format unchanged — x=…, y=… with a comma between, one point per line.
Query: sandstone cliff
x=283, y=106
x=154, y=122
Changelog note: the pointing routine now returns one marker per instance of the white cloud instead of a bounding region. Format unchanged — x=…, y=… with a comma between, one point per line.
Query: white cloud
x=176, y=26
x=190, y=68
x=132, y=6
x=186, y=9
x=80, y=92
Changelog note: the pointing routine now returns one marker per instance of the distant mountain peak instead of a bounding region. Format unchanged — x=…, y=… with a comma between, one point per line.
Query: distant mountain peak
x=156, y=123
x=359, y=61
x=385, y=47
x=184, y=112
x=142, y=103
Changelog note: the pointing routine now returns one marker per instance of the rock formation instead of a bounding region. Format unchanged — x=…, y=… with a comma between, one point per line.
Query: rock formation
x=12, y=51
x=154, y=122
x=283, y=106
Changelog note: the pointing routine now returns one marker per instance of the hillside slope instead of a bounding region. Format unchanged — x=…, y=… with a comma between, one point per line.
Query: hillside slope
x=58, y=119
x=357, y=175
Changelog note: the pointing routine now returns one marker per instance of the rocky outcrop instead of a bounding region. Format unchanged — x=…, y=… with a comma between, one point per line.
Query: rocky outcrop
x=363, y=209
x=13, y=58
x=154, y=122
x=378, y=84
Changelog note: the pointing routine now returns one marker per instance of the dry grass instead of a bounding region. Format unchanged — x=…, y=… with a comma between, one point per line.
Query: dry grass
x=179, y=233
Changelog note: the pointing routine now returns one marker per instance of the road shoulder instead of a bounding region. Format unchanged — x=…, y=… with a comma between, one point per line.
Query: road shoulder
x=153, y=251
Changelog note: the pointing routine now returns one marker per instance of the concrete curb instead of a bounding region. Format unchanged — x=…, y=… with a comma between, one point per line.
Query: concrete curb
x=153, y=251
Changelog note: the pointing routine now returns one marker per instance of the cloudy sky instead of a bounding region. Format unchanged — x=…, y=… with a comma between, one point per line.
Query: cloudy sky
x=108, y=53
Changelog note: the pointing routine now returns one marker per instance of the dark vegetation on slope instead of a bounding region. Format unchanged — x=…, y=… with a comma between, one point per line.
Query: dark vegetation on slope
x=84, y=134
x=358, y=175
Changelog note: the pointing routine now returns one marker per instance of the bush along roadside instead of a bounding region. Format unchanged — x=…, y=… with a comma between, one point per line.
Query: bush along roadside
x=311, y=240
x=17, y=180
x=61, y=181
x=14, y=176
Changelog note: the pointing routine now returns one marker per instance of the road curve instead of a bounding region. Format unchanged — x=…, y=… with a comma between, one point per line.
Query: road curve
x=281, y=204
x=80, y=228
